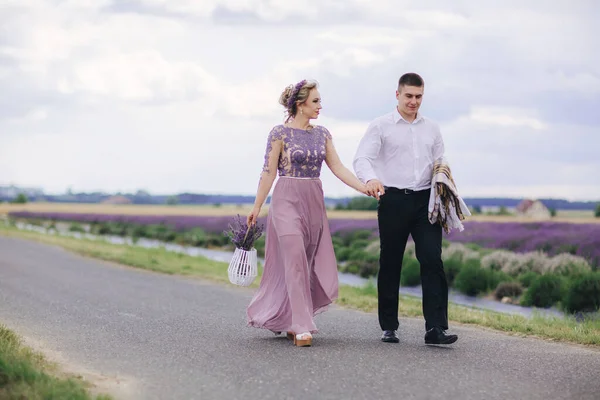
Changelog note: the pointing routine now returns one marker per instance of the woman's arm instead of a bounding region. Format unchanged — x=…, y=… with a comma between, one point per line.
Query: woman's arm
x=267, y=177
x=339, y=169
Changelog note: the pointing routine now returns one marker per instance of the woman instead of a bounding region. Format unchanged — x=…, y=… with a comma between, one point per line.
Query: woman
x=300, y=271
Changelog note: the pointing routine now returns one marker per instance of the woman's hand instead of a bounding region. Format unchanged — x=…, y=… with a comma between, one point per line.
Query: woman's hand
x=253, y=216
x=363, y=189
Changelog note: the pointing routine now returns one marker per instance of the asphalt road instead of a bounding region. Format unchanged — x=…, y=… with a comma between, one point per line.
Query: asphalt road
x=152, y=336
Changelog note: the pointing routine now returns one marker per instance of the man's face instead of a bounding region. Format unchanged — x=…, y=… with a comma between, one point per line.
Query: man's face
x=409, y=99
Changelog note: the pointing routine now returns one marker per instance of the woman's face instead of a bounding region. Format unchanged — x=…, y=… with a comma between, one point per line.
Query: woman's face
x=312, y=106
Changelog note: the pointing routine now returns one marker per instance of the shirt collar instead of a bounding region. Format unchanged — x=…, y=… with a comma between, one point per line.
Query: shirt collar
x=398, y=117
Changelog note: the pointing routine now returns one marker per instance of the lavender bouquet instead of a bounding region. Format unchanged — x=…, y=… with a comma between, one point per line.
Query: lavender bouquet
x=242, y=236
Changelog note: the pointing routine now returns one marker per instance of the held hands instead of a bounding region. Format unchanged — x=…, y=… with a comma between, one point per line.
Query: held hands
x=253, y=216
x=375, y=188
x=363, y=189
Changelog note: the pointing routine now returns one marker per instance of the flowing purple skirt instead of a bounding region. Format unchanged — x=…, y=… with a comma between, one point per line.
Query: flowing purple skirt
x=300, y=273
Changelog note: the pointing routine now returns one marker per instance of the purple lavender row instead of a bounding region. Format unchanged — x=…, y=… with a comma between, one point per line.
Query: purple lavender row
x=550, y=237
x=214, y=224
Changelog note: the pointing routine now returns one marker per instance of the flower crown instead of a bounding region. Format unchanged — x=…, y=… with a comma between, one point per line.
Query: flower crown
x=294, y=94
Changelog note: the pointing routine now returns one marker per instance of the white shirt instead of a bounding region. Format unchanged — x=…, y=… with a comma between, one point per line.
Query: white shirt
x=399, y=153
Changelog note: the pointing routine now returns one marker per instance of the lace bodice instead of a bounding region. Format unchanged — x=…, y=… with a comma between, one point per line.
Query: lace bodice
x=303, y=151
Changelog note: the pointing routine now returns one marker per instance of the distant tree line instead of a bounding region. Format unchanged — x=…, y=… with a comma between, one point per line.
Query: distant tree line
x=370, y=204
x=359, y=203
x=20, y=199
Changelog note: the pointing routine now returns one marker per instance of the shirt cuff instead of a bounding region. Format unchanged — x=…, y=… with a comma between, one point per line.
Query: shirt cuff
x=368, y=178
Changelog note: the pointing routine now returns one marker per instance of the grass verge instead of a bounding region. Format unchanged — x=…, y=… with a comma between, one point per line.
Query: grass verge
x=365, y=298
x=25, y=374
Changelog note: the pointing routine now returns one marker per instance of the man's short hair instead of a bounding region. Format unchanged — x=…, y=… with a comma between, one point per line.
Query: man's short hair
x=410, y=79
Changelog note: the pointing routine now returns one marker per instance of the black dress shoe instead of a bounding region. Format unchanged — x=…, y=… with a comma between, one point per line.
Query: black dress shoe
x=390, y=337
x=439, y=336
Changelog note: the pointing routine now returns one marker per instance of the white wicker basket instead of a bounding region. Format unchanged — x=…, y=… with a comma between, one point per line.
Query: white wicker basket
x=243, y=267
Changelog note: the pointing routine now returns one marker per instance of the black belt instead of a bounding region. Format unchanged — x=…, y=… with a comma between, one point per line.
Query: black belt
x=402, y=191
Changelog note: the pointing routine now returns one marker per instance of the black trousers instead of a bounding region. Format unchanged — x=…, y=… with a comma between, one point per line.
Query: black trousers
x=400, y=213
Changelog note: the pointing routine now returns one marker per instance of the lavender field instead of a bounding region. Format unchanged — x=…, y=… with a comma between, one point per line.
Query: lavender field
x=213, y=224
x=550, y=237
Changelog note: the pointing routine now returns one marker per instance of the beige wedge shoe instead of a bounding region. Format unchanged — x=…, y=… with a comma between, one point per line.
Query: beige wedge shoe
x=303, y=339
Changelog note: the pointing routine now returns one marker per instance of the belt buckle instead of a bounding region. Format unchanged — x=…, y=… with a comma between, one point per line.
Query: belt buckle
x=407, y=191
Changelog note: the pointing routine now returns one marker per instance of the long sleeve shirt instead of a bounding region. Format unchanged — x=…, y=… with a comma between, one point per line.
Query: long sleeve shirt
x=399, y=153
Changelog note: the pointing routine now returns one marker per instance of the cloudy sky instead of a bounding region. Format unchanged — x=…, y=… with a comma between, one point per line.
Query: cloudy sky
x=179, y=95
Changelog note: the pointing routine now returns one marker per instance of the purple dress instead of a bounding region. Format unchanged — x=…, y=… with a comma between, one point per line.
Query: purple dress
x=300, y=273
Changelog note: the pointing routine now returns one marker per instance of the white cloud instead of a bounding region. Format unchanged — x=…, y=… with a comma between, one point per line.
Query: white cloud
x=271, y=11
x=201, y=8
x=585, y=83
x=366, y=36
x=143, y=76
x=37, y=114
x=504, y=117
x=166, y=96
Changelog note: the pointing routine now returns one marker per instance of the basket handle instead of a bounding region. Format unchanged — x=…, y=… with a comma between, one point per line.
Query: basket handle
x=247, y=230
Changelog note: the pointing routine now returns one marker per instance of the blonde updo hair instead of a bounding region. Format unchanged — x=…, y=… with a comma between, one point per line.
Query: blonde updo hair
x=294, y=95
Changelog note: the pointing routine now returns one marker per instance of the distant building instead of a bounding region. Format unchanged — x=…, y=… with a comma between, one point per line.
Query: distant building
x=117, y=200
x=533, y=209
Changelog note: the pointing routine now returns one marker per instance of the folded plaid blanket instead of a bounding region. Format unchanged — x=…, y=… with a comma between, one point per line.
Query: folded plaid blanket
x=446, y=207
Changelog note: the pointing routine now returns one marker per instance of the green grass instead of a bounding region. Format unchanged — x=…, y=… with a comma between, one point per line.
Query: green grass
x=25, y=374
x=365, y=298
x=549, y=328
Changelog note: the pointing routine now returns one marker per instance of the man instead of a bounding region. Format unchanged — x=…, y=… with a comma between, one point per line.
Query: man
x=395, y=159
